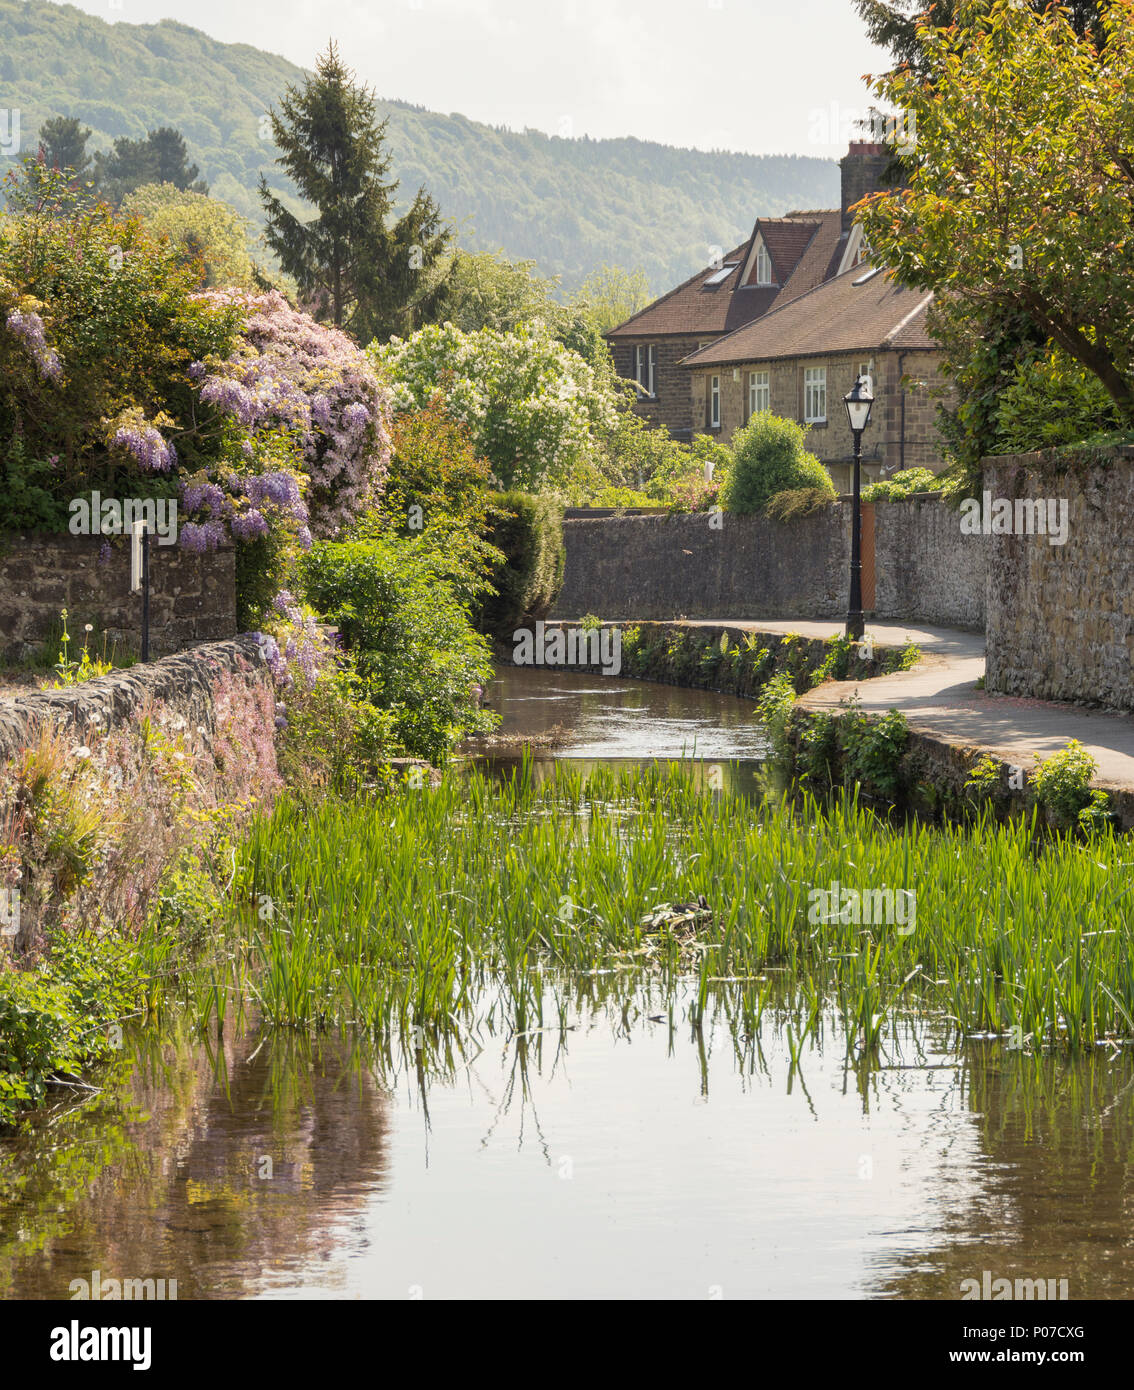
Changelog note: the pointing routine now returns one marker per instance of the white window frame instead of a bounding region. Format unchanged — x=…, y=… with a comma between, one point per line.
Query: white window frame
x=646, y=368
x=764, y=267
x=759, y=392
x=714, y=402
x=864, y=370
x=815, y=395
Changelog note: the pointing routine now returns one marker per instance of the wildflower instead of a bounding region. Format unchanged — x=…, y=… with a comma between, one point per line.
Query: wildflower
x=81, y=753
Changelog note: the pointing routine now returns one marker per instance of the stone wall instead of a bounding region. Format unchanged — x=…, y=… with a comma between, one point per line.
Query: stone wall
x=903, y=432
x=660, y=568
x=184, y=684
x=1061, y=617
x=678, y=566
x=192, y=597
x=925, y=569
x=672, y=406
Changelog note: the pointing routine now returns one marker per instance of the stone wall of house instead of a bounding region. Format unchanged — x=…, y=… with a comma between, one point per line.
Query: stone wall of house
x=1061, y=617
x=660, y=568
x=832, y=441
x=673, y=404
x=192, y=597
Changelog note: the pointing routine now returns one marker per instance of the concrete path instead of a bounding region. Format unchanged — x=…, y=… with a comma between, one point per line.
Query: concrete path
x=939, y=698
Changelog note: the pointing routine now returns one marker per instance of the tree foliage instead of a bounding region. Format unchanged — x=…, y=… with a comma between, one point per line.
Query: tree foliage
x=207, y=233
x=536, y=410
x=162, y=157
x=893, y=24
x=64, y=144
x=367, y=275
x=1020, y=187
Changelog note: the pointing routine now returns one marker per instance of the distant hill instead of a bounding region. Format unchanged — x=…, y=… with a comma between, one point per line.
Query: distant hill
x=568, y=204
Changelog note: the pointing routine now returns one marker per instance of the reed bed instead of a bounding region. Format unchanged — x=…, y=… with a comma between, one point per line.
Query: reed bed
x=399, y=912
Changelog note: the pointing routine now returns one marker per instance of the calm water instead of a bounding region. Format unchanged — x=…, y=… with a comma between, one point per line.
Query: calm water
x=628, y=1155
x=590, y=719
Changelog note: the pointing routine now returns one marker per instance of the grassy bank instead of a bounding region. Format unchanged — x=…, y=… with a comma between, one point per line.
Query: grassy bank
x=392, y=916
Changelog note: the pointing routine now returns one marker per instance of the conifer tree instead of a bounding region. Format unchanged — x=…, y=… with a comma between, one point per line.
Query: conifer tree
x=64, y=144
x=365, y=273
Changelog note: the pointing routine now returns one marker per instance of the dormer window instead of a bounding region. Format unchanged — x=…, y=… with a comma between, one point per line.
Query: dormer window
x=763, y=265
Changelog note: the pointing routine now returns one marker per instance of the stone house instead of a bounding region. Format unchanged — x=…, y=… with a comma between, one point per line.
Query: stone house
x=801, y=358
x=782, y=259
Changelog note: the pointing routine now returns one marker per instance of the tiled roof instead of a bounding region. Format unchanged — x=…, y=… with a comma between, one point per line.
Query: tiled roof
x=697, y=309
x=821, y=258
x=847, y=314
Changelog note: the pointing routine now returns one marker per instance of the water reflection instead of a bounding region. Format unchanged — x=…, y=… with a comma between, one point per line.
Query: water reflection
x=589, y=719
x=613, y=1150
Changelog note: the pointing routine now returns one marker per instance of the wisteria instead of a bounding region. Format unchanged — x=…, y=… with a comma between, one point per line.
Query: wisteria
x=305, y=647
x=199, y=537
x=293, y=372
x=149, y=449
x=249, y=526
x=28, y=327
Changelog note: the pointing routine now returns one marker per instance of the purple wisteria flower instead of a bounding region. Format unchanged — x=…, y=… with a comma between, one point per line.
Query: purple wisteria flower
x=195, y=496
x=249, y=526
x=28, y=327
x=199, y=538
x=149, y=449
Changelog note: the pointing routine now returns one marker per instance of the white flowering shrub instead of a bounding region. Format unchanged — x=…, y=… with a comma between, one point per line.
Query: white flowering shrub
x=535, y=410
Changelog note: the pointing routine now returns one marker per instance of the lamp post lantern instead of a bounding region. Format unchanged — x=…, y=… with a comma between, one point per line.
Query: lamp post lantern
x=859, y=402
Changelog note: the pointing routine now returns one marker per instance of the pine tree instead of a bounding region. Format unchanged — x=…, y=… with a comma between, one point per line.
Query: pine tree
x=162, y=157
x=64, y=145
x=365, y=275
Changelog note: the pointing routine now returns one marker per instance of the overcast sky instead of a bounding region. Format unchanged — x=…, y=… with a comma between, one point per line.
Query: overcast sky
x=765, y=76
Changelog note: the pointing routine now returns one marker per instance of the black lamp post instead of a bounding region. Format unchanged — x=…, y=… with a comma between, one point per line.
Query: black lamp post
x=859, y=402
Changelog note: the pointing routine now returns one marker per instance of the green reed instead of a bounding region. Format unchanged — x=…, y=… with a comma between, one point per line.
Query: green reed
x=396, y=912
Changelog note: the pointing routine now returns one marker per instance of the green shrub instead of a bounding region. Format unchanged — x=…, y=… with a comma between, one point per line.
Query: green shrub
x=769, y=457
x=819, y=750
x=415, y=650
x=873, y=748
x=530, y=534
x=1049, y=401
x=798, y=501
x=903, y=484
x=774, y=710
x=438, y=489
x=1062, y=786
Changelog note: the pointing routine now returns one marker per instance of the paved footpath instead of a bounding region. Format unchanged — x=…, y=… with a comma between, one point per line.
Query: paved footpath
x=939, y=698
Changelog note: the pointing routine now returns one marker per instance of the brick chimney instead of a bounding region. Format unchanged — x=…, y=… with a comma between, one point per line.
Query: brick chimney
x=863, y=169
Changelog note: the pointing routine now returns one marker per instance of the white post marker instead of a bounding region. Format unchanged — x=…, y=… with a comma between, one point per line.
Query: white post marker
x=137, y=531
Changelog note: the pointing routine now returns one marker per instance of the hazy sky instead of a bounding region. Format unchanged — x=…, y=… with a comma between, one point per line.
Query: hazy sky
x=764, y=76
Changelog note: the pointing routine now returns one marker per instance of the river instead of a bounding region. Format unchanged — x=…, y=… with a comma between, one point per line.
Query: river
x=625, y=1155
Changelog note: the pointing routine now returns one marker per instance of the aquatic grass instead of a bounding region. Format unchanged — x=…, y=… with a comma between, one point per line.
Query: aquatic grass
x=396, y=913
